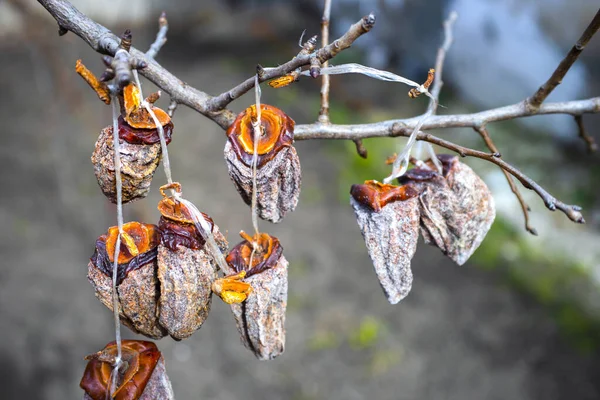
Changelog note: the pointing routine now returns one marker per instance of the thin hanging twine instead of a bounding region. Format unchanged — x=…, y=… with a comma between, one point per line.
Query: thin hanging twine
x=200, y=222
x=115, y=300
x=257, y=130
x=353, y=68
x=401, y=163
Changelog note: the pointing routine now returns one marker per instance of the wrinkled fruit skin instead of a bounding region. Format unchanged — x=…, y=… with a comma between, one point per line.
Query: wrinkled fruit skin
x=144, y=379
x=186, y=276
x=137, y=284
x=138, y=164
x=138, y=298
x=457, y=209
x=391, y=238
x=277, y=182
x=261, y=318
x=277, y=164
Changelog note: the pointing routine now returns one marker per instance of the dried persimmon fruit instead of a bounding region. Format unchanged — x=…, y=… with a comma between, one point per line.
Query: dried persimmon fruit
x=278, y=174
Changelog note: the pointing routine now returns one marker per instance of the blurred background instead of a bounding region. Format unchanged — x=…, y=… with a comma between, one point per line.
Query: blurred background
x=521, y=320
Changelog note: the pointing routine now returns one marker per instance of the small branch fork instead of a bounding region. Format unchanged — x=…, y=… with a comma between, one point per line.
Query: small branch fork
x=214, y=107
x=564, y=66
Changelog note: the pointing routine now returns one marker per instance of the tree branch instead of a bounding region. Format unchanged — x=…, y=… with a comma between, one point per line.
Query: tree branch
x=564, y=66
x=399, y=127
x=105, y=42
x=161, y=36
x=589, y=141
x=324, y=112
x=482, y=130
x=323, y=54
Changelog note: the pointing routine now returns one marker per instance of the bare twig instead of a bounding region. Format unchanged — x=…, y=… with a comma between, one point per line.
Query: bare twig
x=105, y=42
x=571, y=211
x=482, y=130
x=172, y=108
x=385, y=128
x=360, y=148
x=441, y=57
x=323, y=54
x=161, y=36
x=589, y=141
x=324, y=112
x=401, y=163
x=564, y=66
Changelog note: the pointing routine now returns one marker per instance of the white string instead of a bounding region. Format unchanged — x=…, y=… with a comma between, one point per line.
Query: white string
x=401, y=163
x=433, y=157
x=256, y=128
x=201, y=224
x=119, y=185
x=353, y=68
x=161, y=132
x=203, y=227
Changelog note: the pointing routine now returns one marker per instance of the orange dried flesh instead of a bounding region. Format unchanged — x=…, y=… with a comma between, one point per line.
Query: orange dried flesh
x=265, y=245
x=172, y=209
x=277, y=132
x=282, y=81
x=376, y=195
x=137, y=238
x=141, y=358
x=136, y=115
x=231, y=289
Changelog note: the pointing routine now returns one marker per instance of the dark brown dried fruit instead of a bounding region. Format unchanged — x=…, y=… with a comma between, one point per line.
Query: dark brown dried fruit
x=278, y=175
x=260, y=319
x=186, y=270
x=142, y=375
x=140, y=155
x=457, y=208
x=388, y=217
x=137, y=284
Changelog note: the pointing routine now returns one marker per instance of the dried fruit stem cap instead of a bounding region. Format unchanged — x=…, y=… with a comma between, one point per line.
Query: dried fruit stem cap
x=268, y=251
x=177, y=224
x=277, y=133
x=140, y=359
x=376, y=195
x=137, y=238
x=136, y=115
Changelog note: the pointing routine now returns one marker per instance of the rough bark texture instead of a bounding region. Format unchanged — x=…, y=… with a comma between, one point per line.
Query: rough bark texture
x=138, y=298
x=138, y=164
x=186, y=277
x=278, y=182
x=261, y=318
x=391, y=238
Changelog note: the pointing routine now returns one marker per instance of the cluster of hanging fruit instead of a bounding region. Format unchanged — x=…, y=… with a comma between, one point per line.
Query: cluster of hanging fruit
x=166, y=273
x=452, y=209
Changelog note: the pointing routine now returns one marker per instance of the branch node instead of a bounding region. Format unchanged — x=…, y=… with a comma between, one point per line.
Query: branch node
x=589, y=141
x=360, y=148
x=62, y=30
